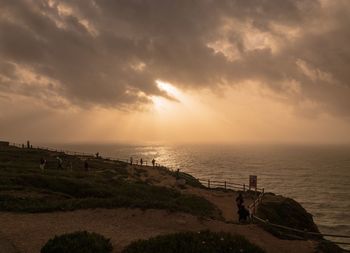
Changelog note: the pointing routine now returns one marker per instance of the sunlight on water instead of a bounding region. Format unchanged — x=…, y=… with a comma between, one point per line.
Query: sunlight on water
x=317, y=177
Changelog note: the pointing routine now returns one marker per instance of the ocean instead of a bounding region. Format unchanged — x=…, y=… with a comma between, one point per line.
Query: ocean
x=318, y=177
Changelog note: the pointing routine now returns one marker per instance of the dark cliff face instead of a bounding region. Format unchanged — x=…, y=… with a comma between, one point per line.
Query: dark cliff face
x=286, y=212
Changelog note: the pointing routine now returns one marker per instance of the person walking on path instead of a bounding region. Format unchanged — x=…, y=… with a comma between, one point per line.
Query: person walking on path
x=153, y=162
x=239, y=200
x=141, y=161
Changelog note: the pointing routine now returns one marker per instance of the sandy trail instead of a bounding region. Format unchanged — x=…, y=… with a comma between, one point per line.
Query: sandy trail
x=225, y=201
x=29, y=232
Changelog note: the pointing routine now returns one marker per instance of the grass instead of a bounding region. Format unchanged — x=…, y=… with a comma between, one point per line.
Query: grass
x=25, y=188
x=189, y=242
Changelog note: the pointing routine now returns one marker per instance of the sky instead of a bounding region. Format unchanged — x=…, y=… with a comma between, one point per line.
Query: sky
x=184, y=71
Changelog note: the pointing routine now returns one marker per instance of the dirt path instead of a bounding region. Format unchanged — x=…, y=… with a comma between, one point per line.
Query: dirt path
x=6, y=246
x=29, y=232
x=225, y=201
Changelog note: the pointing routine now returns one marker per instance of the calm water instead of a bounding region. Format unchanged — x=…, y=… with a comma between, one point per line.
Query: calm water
x=318, y=177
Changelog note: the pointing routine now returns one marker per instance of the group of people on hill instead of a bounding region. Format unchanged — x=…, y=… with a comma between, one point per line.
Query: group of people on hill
x=243, y=213
x=43, y=162
x=141, y=161
x=59, y=160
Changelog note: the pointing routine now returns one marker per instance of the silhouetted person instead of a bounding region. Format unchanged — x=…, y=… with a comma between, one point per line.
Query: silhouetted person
x=42, y=163
x=131, y=160
x=239, y=200
x=97, y=155
x=86, y=165
x=153, y=162
x=59, y=162
x=243, y=214
x=177, y=174
x=141, y=161
x=28, y=144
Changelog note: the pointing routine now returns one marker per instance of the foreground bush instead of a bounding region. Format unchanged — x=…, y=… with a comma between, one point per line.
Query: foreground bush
x=78, y=242
x=191, y=242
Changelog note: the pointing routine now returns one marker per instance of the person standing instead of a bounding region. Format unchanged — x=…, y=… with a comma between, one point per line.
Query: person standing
x=153, y=162
x=141, y=161
x=86, y=165
x=239, y=200
x=42, y=163
x=243, y=214
x=59, y=162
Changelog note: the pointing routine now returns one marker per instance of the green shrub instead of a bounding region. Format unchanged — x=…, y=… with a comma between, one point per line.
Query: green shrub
x=191, y=242
x=78, y=242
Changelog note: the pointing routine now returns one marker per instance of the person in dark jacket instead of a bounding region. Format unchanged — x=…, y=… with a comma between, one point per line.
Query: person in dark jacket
x=243, y=214
x=239, y=200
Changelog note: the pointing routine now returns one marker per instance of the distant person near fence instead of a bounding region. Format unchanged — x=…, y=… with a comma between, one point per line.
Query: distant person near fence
x=42, y=163
x=239, y=200
x=141, y=162
x=153, y=162
x=59, y=162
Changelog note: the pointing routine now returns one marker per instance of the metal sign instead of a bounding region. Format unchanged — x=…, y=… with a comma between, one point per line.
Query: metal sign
x=253, y=181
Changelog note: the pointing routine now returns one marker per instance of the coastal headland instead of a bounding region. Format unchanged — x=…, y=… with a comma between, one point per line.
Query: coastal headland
x=128, y=202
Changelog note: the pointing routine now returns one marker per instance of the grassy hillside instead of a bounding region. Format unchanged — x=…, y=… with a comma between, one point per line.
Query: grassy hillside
x=25, y=188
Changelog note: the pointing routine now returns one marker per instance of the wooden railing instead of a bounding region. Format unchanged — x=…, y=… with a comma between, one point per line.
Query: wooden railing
x=303, y=233
x=211, y=184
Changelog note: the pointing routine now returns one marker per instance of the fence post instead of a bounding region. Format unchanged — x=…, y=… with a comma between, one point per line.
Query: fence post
x=255, y=192
x=208, y=183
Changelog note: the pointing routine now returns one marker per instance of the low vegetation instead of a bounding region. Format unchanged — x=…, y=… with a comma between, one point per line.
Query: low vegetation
x=189, y=242
x=78, y=242
x=25, y=188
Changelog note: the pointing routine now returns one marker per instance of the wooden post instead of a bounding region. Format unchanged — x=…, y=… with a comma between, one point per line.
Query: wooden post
x=255, y=192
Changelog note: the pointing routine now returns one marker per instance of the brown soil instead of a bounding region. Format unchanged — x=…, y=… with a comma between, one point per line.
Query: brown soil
x=29, y=232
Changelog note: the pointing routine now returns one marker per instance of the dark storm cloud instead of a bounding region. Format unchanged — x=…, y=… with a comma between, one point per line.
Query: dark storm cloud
x=110, y=53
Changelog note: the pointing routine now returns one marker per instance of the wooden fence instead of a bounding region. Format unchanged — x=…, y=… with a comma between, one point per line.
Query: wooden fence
x=209, y=183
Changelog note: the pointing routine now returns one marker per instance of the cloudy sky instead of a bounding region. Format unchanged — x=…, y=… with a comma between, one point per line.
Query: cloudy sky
x=164, y=71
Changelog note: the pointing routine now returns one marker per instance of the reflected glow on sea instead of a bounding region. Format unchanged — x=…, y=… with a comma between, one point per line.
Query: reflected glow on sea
x=318, y=177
